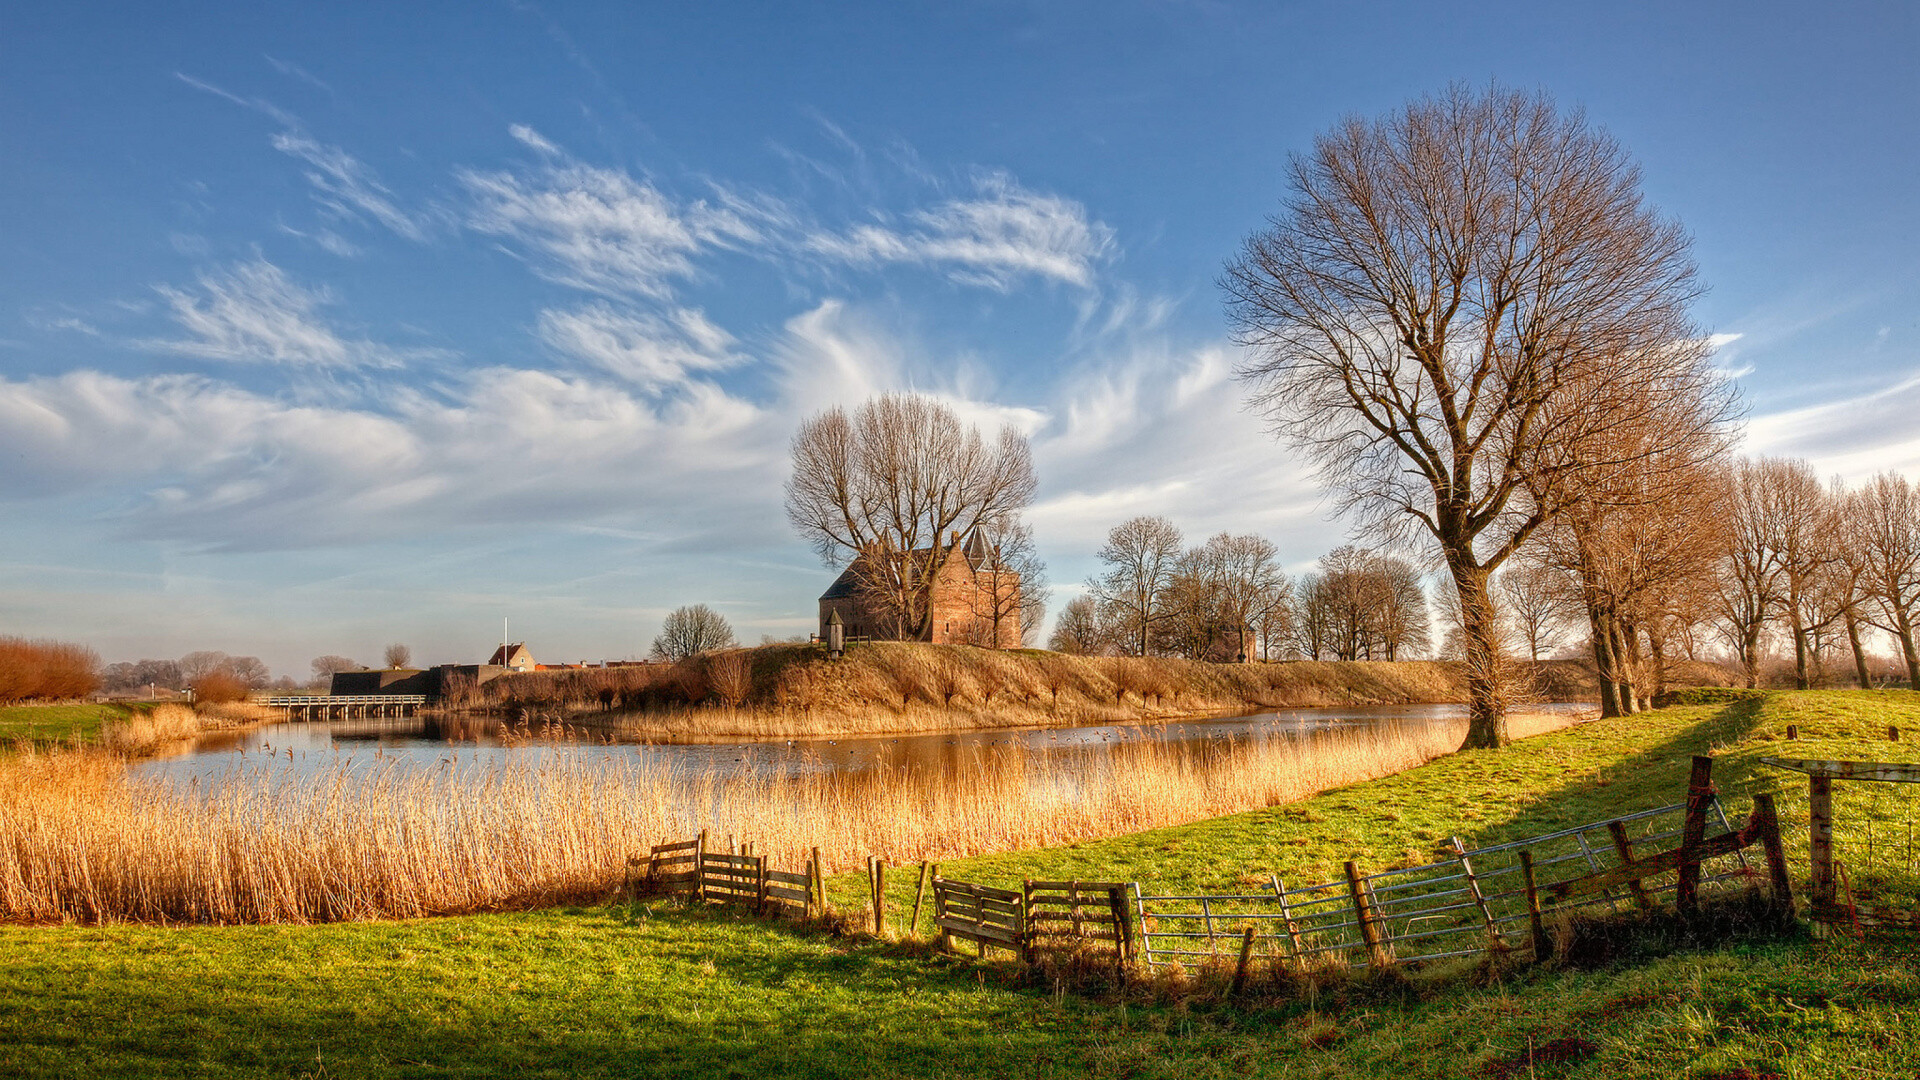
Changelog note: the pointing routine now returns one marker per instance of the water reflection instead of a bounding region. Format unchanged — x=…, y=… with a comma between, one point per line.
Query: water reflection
x=437, y=742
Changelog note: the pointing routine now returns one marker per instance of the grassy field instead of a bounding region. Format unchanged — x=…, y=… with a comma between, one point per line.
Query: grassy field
x=47, y=724
x=657, y=990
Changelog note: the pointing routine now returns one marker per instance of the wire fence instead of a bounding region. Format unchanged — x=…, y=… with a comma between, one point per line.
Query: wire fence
x=1471, y=902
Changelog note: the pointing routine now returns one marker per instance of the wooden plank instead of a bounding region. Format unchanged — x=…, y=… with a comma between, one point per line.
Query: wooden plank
x=919, y=897
x=1777, y=877
x=684, y=845
x=1240, y=969
x=1898, y=772
x=1713, y=847
x=1623, y=847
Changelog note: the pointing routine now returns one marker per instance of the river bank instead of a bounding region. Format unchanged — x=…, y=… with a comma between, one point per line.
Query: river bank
x=893, y=688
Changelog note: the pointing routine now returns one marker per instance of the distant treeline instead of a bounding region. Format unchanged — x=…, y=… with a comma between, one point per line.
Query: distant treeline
x=31, y=669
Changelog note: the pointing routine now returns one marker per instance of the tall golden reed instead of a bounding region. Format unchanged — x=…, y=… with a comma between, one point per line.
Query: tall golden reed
x=83, y=839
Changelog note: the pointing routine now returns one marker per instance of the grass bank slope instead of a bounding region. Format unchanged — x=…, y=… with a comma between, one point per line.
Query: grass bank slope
x=663, y=991
x=790, y=691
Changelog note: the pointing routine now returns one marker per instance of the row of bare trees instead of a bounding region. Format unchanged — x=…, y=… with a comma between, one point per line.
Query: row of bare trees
x=1227, y=599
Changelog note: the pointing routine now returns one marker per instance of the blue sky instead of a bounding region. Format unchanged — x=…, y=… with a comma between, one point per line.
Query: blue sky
x=325, y=326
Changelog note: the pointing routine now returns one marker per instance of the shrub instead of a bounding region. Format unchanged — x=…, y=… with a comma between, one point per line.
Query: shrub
x=218, y=687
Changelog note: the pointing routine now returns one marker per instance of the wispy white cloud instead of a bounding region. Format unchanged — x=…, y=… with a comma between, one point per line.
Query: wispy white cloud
x=345, y=185
x=657, y=353
x=253, y=313
x=294, y=71
x=600, y=229
x=1004, y=233
x=1853, y=436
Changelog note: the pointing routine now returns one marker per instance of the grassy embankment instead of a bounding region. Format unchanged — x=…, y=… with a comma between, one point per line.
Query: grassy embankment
x=63, y=723
x=657, y=990
x=793, y=691
x=133, y=729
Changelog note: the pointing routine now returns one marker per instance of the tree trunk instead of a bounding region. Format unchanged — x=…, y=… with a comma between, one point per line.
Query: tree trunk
x=1800, y=679
x=1903, y=627
x=1859, y=653
x=1600, y=624
x=1657, y=645
x=1486, y=707
x=1750, y=654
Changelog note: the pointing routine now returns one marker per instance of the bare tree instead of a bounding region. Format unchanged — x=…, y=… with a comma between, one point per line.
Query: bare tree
x=1141, y=555
x=1750, y=570
x=324, y=668
x=1533, y=596
x=895, y=488
x=1080, y=630
x=690, y=631
x=1889, y=516
x=1852, y=565
x=399, y=656
x=1452, y=309
x=1010, y=588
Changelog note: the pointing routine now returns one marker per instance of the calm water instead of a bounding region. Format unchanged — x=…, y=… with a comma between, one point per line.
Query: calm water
x=437, y=743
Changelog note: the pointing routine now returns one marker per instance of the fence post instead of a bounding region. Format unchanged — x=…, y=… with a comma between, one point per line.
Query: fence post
x=1378, y=956
x=1624, y=848
x=919, y=897
x=1542, y=944
x=1240, y=970
x=1768, y=821
x=1026, y=918
x=1122, y=923
x=1700, y=793
x=1820, y=841
x=819, y=885
x=700, y=868
x=877, y=877
x=760, y=897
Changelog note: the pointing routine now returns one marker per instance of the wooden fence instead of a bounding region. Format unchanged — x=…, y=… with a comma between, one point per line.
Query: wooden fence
x=1833, y=901
x=1486, y=900
x=736, y=877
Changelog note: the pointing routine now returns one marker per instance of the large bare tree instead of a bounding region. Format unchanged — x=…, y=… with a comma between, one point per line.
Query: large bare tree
x=1452, y=307
x=1888, y=513
x=895, y=487
x=1141, y=556
x=690, y=631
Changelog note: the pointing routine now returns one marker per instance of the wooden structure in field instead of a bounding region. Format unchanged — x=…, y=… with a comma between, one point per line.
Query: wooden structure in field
x=1829, y=873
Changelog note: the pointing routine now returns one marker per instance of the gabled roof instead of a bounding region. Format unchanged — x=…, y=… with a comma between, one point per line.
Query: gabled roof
x=507, y=655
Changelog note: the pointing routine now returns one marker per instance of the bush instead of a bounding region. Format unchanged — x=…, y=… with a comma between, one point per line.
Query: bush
x=218, y=687
x=46, y=669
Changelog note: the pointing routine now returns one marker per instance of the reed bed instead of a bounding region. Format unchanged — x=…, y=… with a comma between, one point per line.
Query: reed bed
x=83, y=839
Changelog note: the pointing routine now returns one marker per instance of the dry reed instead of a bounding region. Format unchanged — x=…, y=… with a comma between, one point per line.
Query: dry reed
x=83, y=839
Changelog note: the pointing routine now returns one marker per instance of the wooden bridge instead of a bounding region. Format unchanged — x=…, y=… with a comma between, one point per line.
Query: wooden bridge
x=347, y=706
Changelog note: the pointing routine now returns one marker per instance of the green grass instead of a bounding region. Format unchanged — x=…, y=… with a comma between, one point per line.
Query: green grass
x=666, y=991
x=57, y=723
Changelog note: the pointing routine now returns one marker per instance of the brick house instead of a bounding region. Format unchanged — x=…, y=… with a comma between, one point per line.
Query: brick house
x=514, y=657
x=973, y=599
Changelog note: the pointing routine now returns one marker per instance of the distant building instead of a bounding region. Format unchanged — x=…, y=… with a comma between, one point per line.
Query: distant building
x=972, y=597
x=514, y=657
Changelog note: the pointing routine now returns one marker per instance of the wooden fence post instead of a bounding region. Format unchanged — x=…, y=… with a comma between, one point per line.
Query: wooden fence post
x=1778, y=878
x=1378, y=955
x=1692, y=831
x=1542, y=944
x=700, y=868
x=877, y=877
x=1820, y=840
x=1240, y=970
x=819, y=885
x=1122, y=923
x=919, y=897
x=1623, y=847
